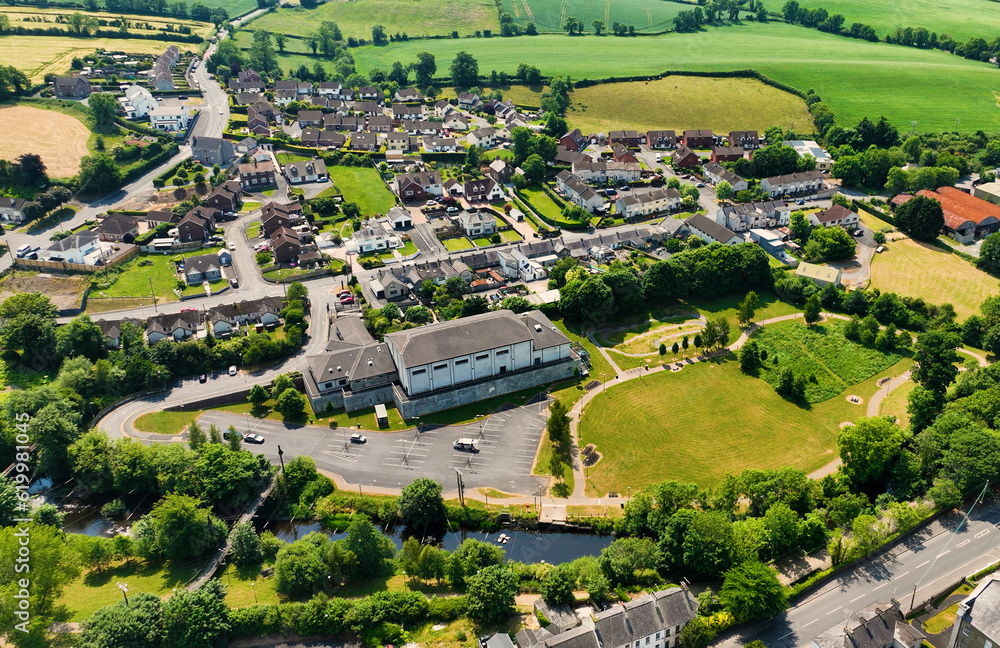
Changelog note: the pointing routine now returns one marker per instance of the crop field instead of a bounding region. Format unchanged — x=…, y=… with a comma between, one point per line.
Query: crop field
x=678, y=103
x=935, y=274
x=61, y=140
x=855, y=78
x=705, y=421
x=412, y=17
x=819, y=351
x=550, y=15
x=31, y=18
x=36, y=56
x=364, y=186
x=960, y=19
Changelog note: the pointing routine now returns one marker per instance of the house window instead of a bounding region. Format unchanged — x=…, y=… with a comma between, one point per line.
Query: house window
x=647, y=641
x=538, y=361
x=657, y=637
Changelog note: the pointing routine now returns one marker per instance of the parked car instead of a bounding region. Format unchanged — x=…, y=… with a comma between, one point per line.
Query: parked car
x=431, y=203
x=452, y=210
x=700, y=185
x=358, y=438
x=253, y=438
x=203, y=378
x=610, y=193
x=225, y=435
x=232, y=370
x=800, y=202
x=347, y=300
x=859, y=232
x=234, y=282
x=232, y=245
x=189, y=310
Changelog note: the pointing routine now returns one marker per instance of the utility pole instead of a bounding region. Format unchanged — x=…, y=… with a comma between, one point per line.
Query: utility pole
x=152, y=293
x=461, y=487
x=913, y=598
x=281, y=458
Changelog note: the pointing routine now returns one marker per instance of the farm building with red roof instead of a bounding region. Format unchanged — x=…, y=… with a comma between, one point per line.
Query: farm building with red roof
x=966, y=217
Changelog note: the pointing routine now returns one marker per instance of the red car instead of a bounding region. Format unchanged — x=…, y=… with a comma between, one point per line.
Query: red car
x=346, y=300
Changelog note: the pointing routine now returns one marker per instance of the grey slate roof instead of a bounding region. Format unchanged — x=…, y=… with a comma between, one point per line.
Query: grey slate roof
x=580, y=637
x=873, y=627
x=356, y=363
x=710, y=227
x=984, y=609
x=202, y=263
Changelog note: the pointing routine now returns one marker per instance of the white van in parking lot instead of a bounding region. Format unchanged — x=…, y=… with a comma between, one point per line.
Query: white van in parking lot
x=467, y=445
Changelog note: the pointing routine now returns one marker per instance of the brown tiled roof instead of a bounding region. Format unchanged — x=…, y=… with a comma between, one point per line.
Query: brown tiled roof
x=957, y=214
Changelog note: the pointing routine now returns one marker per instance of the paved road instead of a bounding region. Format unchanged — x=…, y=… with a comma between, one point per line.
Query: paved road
x=932, y=559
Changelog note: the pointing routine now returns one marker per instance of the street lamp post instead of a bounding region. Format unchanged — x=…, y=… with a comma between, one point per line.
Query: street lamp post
x=253, y=589
x=124, y=588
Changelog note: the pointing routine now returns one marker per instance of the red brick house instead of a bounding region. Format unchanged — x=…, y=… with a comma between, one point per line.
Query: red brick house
x=698, y=139
x=685, y=158
x=573, y=141
x=117, y=227
x=226, y=197
x=622, y=154
x=257, y=174
x=625, y=138
x=197, y=224
x=727, y=153
x=285, y=245
x=746, y=139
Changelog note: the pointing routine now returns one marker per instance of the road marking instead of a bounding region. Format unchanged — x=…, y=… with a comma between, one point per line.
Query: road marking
x=898, y=576
x=922, y=564
x=833, y=611
x=860, y=597
x=982, y=533
x=880, y=586
x=811, y=622
x=946, y=551
x=963, y=543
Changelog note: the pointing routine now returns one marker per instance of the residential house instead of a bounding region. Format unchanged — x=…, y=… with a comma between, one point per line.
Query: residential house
x=75, y=87
x=469, y=101
x=161, y=78
x=212, y=150
x=453, y=187
x=423, y=127
x=566, y=157
x=310, y=118
x=727, y=153
x=442, y=108
x=485, y=137
x=741, y=217
x=880, y=625
x=417, y=186
x=225, y=318
x=621, y=154
x=809, y=147
x=976, y=623
x=684, y=157
x=661, y=139
x=227, y=197
x=248, y=98
x=140, y=100
x=171, y=119
x=821, y=274
x=698, y=139
x=650, y=621
x=283, y=98
x=397, y=142
x=625, y=138
x=82, y=248
x=323, y=139
x=369, y=93
x=399, y=218
x=12, y=209
x=711, y=232
x=118, y=227
x=329, y=89
x=484, y=190
x=364, y=142
x=807, y=182
x=456, y=123
x=715, y=174
x=649, y=202
x=265, y=110
x=375, y=235
x=197, y=225
x=402, y=112
x=500, y=171
x=385, y=285
x=477, y=224
x=440, y=144
x=749, y=140
x=157, y=217
x=112, y=330
x=504, y=110
x=609, y=171
x=306, y=171
x=176, y=327
x=274, y=216
x=408, y=95
x=246, y=146
x=206, y=267
x=285, y=245
x=578, y=192
x=257, y=174
x=837, y=215
x=573, y=141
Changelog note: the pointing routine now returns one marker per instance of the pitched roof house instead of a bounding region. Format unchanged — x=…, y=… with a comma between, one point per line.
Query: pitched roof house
x=116, y=227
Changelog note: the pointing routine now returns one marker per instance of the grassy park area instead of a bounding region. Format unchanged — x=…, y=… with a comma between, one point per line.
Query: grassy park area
x=364, y=186
x=856, y=78
x=932, y=273
x=705, y=421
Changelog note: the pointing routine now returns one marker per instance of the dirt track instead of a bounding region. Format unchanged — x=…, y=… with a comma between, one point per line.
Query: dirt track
x=64, y=291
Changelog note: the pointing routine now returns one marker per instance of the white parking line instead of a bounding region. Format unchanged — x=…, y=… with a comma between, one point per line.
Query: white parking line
x=982, y=533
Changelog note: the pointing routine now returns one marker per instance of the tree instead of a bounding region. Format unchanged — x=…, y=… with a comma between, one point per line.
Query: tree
x=196, y=619
x=490, y=594
x=813, y=309
x=234, y=438
x=752, y=591
x=868, y=450
x=558, y=423
x=374, y=551
x=830, y=243
x=920, y=217
x=663, y=349
x=750, y=358
x=800, y=226
x=464, y=70
x=196, y=436
x=724, y=190
x=179, y=529
x=378, y=35
x=573, y=25
x=100, y=173
x=291, y=404
x=421, y=506
x=105, y=108
x=745, y=311
x=557, y=586
x=245, y=545
x=138, y=623
x=261, y=56
x=280, y=384
x=697, y=633
x=299, y=569
x=258, y=396
x=782, y=524
x=598, y=26
x=989, y=254
x=625, y=558
x=936, y=358
x=424, y=69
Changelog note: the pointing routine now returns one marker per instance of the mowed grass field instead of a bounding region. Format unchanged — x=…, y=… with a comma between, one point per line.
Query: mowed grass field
x=705, y=421
x=25, y=17
x=932, y=273
x=364, y=186
x=412, y=17
x=679, y=102
x=855, y=78
x=960, y=19
x=550, y=15
x=36, y=56
x=61, y=140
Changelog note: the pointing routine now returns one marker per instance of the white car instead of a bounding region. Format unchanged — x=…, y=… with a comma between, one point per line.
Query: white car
x=232, y=245
x=222, y=111
x=232, y=370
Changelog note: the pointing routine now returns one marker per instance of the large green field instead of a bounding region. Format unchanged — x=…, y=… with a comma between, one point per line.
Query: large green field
x=412, y=17
x=363, y=186
x=550, y=15
x=960, y=19
x=705, y=421
x=855, y=78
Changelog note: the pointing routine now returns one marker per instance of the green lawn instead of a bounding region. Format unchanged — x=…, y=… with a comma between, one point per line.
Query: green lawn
x=329, y=192
x=547, y=207
x=287, y=158
x=249, y=206
x=457, y=244
x=855, y=78
x=510, y=235
x=364, y=186
x=549, y=15
x=822, y=351
x=895, y=404
x=482, y=241
x=253, y=229
x=704, y=421
x=135, y=281
x=932, y=273
x=412, y=17
x=165, y=422
x=409, y=247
